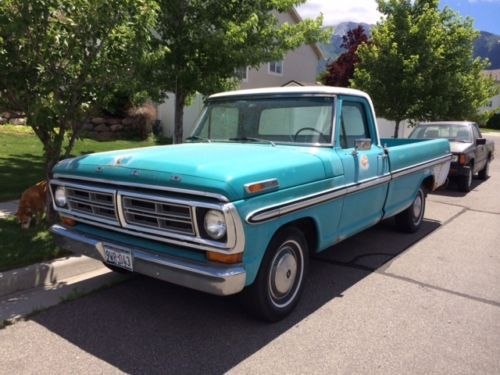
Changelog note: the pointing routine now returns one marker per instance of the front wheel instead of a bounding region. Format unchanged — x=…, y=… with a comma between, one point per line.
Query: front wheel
x=279, y=283
x=411, y=219
x=465, y=182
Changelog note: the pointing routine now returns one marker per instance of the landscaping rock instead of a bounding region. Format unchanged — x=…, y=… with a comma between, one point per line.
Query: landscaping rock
x=116, y=127
x=101, y=128
x=128, y=121
x=5, y=115
x=97, y=120
x=87, y=126
x=3, y=120
x=18, y=121
x=113, y=121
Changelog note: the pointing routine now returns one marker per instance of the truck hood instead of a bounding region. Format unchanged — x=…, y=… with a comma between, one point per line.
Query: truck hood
x=222, y=168
x=459, y=147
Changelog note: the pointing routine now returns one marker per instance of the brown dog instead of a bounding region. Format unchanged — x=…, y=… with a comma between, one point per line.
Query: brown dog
x=32, y=204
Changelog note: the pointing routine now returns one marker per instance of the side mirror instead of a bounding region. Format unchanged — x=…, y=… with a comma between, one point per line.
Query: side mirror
x=480, y=141
x=362, y=144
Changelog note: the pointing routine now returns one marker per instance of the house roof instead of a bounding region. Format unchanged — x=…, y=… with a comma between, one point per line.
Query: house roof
x=297, y=18
x=300, y=83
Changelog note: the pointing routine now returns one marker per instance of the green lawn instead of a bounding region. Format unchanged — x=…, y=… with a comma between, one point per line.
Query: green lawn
x=21, y=157
x=487, y=130
x=20, y=247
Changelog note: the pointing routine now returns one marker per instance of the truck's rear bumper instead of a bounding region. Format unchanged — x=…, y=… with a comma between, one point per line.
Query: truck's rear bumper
x=211, y=278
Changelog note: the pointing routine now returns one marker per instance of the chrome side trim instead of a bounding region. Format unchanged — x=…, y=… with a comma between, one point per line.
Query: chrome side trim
x=219, y=197
x=207, y=277
x=368, y=183
x=276, y=210
x=408, y=170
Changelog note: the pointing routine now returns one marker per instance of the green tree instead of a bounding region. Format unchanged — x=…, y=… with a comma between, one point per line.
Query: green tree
x=209, y=39
x=60, y=59
x=420, y=66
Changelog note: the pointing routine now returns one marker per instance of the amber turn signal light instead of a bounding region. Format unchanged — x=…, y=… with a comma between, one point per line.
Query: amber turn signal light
x=224, y=258
x=67, y=221
x=461, y=159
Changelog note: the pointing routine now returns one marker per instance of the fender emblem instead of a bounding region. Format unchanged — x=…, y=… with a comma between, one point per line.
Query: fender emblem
x=135, y=172
x=175, y=178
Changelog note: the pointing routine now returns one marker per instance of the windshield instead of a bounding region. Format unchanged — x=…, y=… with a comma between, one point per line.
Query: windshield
x=454, y=133
x=305, y=120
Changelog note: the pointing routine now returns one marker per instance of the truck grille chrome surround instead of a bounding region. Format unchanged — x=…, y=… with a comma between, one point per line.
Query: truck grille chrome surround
x=157, y=215
x=98, y=203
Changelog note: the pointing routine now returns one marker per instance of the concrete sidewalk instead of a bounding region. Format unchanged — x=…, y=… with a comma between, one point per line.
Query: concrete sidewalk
x=26, y=289
x=8, y=208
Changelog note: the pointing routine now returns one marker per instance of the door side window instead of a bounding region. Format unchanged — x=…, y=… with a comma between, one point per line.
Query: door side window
x=353, y=124
x=475, y=130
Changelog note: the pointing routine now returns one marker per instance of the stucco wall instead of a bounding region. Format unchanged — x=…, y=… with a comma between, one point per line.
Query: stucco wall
x=166, y=112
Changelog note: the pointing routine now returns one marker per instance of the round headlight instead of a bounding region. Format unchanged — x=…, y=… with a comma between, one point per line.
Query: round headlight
x=215, y=224
x=60, y=196
x=454, y=158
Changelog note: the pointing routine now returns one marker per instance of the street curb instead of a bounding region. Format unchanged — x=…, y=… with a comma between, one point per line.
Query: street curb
x=46, y=273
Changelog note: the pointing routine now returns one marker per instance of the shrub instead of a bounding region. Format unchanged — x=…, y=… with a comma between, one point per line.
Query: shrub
x=143, y=119
x=494, y=121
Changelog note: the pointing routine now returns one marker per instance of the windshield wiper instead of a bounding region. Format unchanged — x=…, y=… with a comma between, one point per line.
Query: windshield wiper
x=252, y=139
x=196, y=138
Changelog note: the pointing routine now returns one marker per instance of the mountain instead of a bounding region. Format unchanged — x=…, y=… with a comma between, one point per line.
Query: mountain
x=333, y=50
x=487, y=45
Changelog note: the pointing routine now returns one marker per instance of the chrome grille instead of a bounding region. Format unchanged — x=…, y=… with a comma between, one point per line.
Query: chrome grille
x=157, y=214
x=90, y=202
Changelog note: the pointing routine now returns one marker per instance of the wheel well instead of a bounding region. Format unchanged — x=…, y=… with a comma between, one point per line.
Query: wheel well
x=428, y=183
x=310, y=230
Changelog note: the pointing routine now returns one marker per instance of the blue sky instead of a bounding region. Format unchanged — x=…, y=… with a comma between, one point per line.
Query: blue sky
x=486, y=13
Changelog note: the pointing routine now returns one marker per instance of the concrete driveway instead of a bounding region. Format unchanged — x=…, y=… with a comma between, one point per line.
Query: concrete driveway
x=380, y=302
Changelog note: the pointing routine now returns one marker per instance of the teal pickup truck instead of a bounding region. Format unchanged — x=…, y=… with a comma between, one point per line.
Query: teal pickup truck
x=268, y=177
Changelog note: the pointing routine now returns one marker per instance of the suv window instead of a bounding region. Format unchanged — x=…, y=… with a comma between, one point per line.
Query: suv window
x=353, y=124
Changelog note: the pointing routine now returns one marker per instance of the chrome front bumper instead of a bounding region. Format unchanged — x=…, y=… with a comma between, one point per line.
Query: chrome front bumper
x=210, y=278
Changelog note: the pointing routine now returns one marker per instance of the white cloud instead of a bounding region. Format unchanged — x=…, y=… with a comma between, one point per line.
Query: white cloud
x=335, y=11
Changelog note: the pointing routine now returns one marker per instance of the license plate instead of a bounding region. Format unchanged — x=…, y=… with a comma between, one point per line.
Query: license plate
x=118, y=257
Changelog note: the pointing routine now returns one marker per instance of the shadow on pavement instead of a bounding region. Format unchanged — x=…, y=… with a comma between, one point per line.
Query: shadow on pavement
x=147, y=326
x=452, y=189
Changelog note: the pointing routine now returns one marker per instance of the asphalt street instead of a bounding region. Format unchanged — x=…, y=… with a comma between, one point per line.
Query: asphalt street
x=380, y=302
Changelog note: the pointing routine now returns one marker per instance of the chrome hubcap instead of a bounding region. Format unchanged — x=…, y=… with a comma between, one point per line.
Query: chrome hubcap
x=417, y=208
x=283, y=273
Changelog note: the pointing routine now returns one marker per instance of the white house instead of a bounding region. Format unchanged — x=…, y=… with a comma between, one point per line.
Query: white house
x=494, y=103
x=298, y=67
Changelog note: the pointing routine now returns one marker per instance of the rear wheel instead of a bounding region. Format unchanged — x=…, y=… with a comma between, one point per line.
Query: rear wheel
x=279, y=283
x=411, y=219
x=485, y=172
x=465, y=182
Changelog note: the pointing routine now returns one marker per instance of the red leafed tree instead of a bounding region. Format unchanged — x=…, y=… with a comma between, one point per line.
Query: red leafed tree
x=339, y=72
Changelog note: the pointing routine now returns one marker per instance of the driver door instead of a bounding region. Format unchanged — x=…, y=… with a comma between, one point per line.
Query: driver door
x=366, y=171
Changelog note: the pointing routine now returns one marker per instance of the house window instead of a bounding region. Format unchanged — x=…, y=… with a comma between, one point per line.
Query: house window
x=242, y=73
x=276, y=67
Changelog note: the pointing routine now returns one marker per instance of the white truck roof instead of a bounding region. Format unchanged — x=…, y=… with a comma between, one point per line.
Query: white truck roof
x=328, y=90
